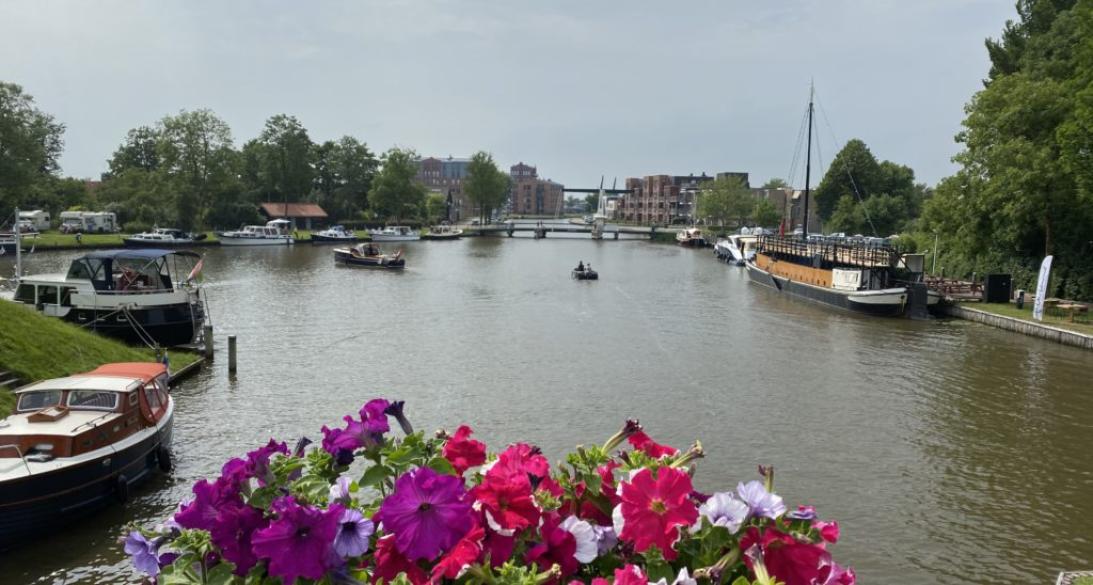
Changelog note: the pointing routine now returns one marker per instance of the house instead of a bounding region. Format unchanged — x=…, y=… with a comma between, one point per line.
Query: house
x=301, y=214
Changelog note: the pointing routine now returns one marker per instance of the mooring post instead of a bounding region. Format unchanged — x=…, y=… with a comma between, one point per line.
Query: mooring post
x=231, y=354
x=208, y=336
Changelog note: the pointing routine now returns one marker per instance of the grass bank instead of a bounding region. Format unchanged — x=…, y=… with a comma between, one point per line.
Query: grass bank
x=1054, y=320
x=55, y=239
x=36, y=347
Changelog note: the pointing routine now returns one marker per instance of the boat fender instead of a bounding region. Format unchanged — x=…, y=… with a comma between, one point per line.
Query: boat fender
x=121, y=488
x=163, y=458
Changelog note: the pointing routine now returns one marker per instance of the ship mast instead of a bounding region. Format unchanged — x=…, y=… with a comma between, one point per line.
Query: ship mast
x=808, y=157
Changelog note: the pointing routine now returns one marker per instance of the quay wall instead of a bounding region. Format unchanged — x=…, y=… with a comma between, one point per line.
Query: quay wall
x=1021, y=326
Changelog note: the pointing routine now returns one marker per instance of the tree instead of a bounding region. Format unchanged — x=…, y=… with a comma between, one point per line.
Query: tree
x=197, y=155
x=486, y=185
x=775, y=183
x=139, y=151
x=591, y=202
x=854, y=171
x=725, y=199
x=30, y=144
x=395, y=191
x=765, y=213
x=286, y=157
x=436, y=208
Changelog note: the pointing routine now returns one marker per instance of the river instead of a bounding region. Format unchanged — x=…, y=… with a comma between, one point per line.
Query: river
x=949, y=452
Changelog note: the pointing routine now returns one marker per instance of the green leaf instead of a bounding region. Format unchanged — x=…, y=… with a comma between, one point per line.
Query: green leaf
x=442, y=465
x=374, y=475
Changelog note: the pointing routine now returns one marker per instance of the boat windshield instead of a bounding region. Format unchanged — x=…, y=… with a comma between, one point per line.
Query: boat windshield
x=38, y=400
x=92, y=400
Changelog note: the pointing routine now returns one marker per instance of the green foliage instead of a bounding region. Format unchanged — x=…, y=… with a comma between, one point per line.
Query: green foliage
x=30, y=144
x=286, y=157
x=343, y=175
x=198, y=162
x=725, y=199
x=766, y=214
x=486, y=185
x=860, y=195
x=139, y=151
x=395, y=191
x=591, y=202
x=1025, y=187
x=436, y=207
x=775, y=183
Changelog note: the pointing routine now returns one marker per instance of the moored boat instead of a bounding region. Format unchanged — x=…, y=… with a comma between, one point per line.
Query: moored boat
x=396, y=233
x=145, y=296
x=76, y=444
x=332, y=235
x=442, y=232
x=276, y=232
x=162, y=238
x=691, y=236
x=369, y=255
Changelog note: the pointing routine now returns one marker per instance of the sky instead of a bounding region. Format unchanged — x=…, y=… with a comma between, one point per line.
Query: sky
x=579, y=88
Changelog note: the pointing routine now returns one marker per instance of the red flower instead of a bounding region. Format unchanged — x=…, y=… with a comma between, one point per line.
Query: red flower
x=653, y=509
x=508, y=501
x=829, y=531
x=630, y=575
x=521, y=459
x=499, y=547
x=463, y=452
x=643, y=443
x=390, y=562
x=558, y=546
x=463, y=554
x=787, y=559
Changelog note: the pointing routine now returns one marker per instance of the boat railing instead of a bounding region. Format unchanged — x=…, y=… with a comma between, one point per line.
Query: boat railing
x=831, y=253
x=91, y=423
x=18, y=452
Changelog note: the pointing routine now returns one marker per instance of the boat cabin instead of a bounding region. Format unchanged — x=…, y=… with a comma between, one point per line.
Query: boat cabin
x=68, y=417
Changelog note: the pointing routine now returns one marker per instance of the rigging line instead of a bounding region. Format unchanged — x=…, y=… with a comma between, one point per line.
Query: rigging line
x=853, y=183
x=794, y=164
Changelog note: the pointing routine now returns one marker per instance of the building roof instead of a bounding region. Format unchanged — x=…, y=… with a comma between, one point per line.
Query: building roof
x=294, y=210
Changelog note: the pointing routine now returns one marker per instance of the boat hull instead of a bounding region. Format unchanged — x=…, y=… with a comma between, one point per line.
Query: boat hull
x=442, y=236
x=318, y=239
x=390, y=238
x=585, y=275
x=35, y=504
x=139, y=243
x=348, y=259
x=236, y=241
x=885, y=303
x=167, y=325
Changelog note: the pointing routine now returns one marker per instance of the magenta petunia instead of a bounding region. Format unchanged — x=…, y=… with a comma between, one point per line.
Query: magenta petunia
x=299, y=542
x=427, y=512
x=257, y=464
x=374, y=416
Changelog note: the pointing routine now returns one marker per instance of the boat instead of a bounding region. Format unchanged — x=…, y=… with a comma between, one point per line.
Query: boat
x=80, y=443
x=396, y=233
x=736, y=248
x=145, y=296
x=333, y=234
x=8, y=244
x=864, y=276
x=369, y=255
x=585, y=274
x=162, y=238
x=442, y=232
x=691, y=236
x=277, y=232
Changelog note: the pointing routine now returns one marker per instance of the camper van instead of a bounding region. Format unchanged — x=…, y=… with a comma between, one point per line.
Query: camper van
x=96, y=222
x=38, y=219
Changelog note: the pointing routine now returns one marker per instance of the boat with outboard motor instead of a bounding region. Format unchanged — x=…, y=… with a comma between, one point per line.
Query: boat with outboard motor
x=584, y=272
x=691, y=236
x=333, y=235
x=276, y=232
x=145, y=296
x=76, y=444
x=443, y=231
x=162, y=238
x=369, y=255
x=396, y=233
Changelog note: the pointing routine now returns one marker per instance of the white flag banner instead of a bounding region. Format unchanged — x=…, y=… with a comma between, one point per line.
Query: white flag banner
x=1041, y=289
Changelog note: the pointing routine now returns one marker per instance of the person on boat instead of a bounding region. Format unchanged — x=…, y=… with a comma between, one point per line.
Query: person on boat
x=580, y=266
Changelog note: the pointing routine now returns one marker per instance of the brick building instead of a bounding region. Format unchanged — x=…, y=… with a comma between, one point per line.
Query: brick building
x=665, y=199
x=446, y=176
x=531, y=195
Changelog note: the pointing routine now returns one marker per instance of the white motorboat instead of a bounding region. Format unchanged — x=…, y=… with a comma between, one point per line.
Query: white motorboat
x=162, y=238
x=333, y=234
x=396, y=233
x=691, y=236
x=277, y=232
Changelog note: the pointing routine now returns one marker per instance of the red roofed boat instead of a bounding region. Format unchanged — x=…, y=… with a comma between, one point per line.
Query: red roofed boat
x=79, y=443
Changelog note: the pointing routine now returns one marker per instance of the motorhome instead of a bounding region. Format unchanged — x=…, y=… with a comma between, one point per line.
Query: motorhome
x=89, y=222
x=38, y=219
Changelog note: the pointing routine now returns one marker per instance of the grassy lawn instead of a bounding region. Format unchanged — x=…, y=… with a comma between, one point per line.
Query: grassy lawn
x=36, y=347
x=1083, y=325
x=1083, y=581
x=55, y=239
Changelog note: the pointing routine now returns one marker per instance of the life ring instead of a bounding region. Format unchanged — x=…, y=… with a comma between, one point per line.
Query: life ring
x=121, y=488
x=163, y=458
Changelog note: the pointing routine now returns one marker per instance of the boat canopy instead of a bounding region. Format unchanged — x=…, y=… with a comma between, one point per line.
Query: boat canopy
x=145, y=269
x=143, y=253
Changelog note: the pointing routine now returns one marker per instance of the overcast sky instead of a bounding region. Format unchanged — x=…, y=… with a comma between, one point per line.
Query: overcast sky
x=579, y=88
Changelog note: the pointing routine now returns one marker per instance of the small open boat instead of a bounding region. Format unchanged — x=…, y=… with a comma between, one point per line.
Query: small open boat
x=442, y=232
x=586, y=274
x=369, y=255
x=332, y=235
x=78, y=443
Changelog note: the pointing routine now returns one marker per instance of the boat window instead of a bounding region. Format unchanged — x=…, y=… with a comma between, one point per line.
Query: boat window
x=25, y=293
x=47, y=294
x=79, y=269
x=136, y=274
x=92, y=400
x=151, y=396
x=38, y=400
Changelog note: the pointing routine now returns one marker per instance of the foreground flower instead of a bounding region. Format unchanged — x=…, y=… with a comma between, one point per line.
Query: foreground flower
x=507, y=501
x=684, y=578
x=789, y=560
x=299, y=541
x=390, y=562
x=643, y=443
x=723, y=509
x=464, y=452
x=653, y=509
x=145, y=553
x=559, y=546
x=630, y=575
x=234, y=533
x=354, y=530
x=258, y=460
x=427, y=512
x=761, y=503
x=463, y=554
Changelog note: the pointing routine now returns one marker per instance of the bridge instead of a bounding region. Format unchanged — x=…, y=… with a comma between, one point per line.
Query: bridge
x=541, y=229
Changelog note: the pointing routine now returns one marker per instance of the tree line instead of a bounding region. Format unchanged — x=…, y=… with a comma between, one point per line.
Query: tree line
x=185, y=171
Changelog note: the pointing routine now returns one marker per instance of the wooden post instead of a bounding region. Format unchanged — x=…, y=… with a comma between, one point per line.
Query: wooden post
x=231, y=354
x=208, y=341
